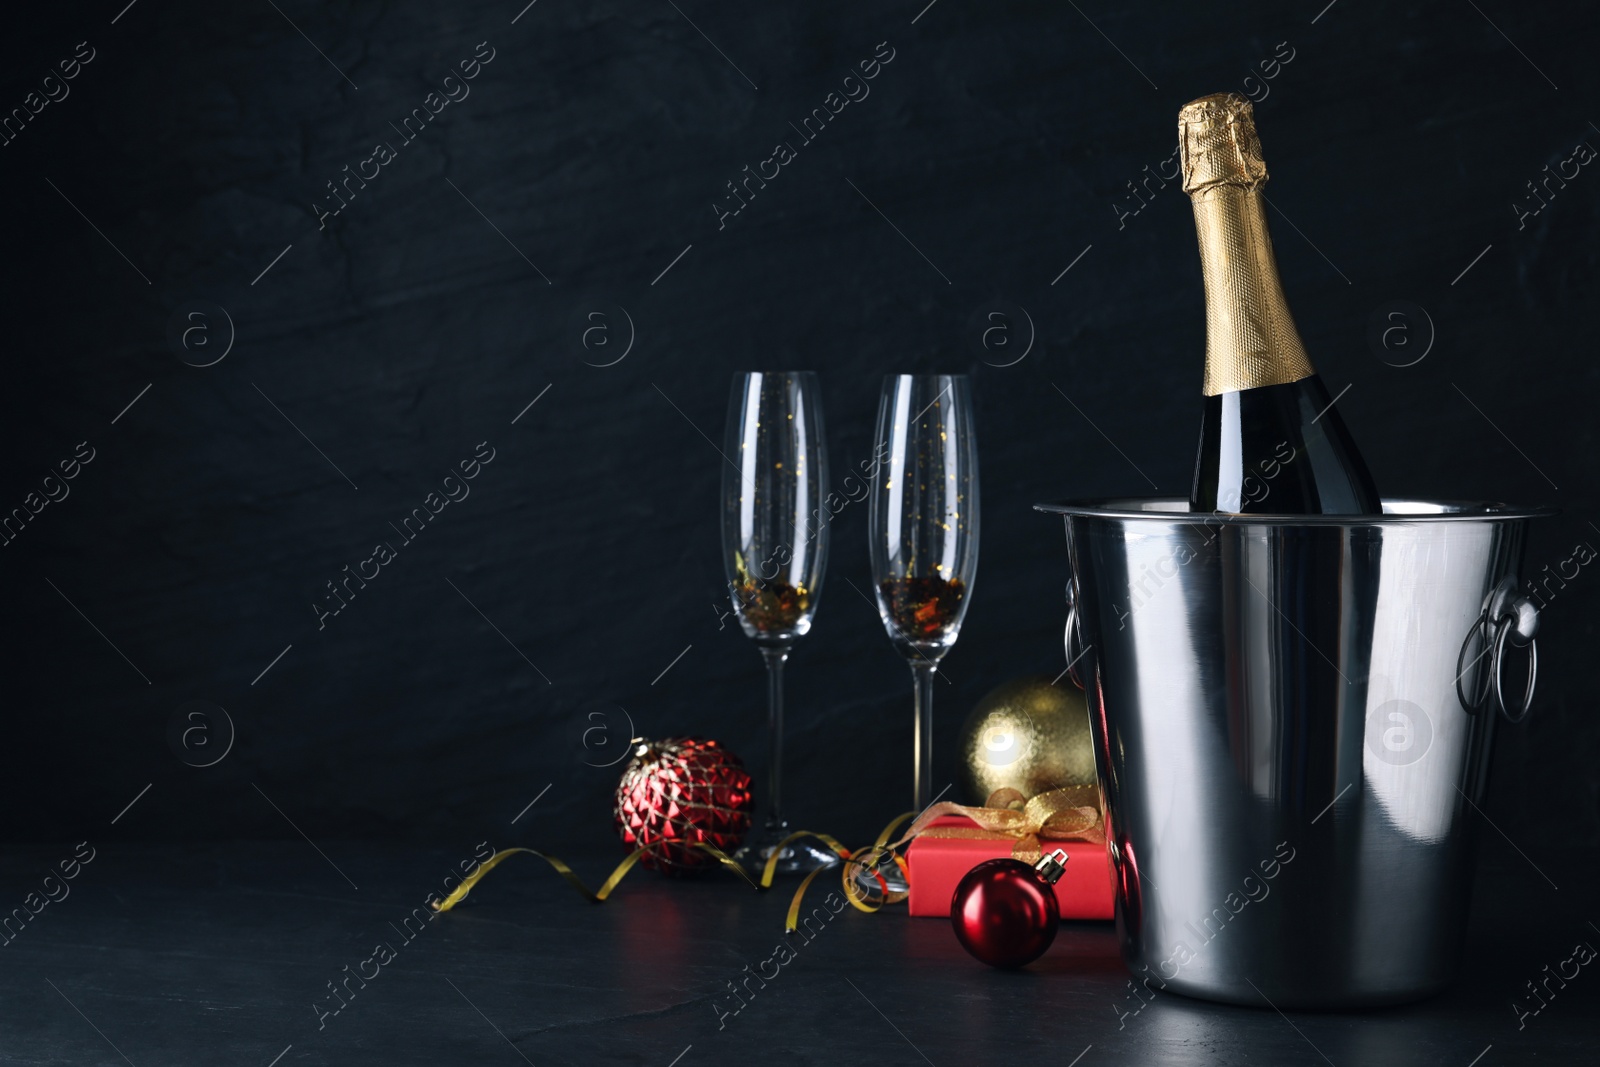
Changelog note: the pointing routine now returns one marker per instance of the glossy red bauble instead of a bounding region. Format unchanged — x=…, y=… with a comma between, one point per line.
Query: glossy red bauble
x=1005, y=913
x=678, y=793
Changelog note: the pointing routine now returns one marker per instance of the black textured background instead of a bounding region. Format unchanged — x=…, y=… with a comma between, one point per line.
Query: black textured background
x=999, y=140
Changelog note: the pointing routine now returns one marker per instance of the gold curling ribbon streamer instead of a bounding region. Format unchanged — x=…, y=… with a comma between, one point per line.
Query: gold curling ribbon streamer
x=852, y=867
x=1071, y=813
x=594, y=896
x=849, y=863
x=599, y=896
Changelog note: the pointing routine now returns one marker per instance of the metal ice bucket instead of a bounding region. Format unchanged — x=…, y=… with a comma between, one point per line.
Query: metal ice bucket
x=1292, y=718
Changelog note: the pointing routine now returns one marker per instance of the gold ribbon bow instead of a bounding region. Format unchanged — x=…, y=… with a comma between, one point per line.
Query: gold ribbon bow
x=1070, y=813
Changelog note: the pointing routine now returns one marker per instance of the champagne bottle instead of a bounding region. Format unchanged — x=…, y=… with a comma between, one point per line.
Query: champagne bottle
x=1270, y=440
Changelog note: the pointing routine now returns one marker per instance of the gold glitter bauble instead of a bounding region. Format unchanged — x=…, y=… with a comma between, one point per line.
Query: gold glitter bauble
x=1029, y=735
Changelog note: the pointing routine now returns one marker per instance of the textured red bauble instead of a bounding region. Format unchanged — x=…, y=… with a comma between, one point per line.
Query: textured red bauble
x=680, y=792
x=1005, y=912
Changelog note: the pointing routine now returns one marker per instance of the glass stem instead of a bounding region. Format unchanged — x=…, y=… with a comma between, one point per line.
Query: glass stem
x=775, y=658
x=922, y=745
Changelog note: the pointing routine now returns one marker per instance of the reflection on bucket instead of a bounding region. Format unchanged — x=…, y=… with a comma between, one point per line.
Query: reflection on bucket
x=1318, y=682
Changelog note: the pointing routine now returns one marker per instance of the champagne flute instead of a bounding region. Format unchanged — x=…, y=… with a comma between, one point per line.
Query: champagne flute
x=923, y=524
x=775, y=547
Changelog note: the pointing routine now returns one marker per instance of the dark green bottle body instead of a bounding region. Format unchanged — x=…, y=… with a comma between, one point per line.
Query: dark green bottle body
x=1280, y=449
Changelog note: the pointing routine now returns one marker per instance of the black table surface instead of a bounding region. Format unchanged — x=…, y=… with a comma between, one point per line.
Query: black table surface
x=224, y=953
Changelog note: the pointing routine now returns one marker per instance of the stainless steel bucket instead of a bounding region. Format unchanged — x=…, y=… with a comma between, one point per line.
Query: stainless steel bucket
x=1292, y=718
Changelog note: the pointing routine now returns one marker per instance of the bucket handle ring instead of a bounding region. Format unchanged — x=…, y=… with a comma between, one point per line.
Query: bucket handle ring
x=1070, y=638
x=1507, y=617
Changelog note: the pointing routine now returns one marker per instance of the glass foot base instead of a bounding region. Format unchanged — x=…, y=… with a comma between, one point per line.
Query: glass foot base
x=797, y=857
x=875, y=879
x=894, y=880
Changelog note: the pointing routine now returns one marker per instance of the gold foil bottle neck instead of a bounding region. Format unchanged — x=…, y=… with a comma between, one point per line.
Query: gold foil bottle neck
x=1217, y=137
x=1251, y=340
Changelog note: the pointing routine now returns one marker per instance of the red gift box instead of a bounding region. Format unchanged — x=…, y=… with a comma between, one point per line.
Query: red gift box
x=938, y=863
